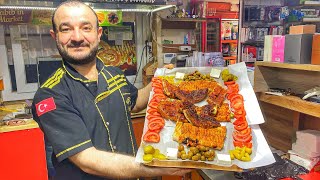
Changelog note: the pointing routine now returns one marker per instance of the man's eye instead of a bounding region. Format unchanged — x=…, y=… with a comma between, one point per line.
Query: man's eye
x=65, y=29
x=87, y=28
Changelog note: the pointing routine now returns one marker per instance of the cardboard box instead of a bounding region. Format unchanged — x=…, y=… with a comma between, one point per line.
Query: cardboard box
x=298, y=48
x=278, y=49
x=315, y=59
x=303, y=29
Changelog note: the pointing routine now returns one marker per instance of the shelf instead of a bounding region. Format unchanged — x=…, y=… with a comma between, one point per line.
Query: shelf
x=230, y=58
x=174, y=48
x=312, y=3
x=293, y=103
x=184, y=19
x=311, y=19
x=229, y=41
x=304, y=67
x=253, y=42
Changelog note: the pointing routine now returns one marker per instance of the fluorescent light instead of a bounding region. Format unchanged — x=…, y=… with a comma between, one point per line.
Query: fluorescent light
x=124, y=10
x=113, y=10
x=162, y=8
x=27, y=7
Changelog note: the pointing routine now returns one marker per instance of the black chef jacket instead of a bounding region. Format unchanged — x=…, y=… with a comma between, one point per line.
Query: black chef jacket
x=76, y=113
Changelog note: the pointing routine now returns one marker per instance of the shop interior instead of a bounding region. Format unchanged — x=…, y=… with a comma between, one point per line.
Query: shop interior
x=277, y=42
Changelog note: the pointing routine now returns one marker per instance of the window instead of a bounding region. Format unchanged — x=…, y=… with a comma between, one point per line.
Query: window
x=20, y=46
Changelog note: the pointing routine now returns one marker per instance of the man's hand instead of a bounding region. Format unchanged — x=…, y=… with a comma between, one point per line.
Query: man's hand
x=169, y=66
x=118, y=166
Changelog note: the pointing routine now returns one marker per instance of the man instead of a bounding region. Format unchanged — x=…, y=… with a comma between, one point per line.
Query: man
x=84, y=107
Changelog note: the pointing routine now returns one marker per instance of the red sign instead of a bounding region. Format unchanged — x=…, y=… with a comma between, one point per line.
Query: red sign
x=15, y=16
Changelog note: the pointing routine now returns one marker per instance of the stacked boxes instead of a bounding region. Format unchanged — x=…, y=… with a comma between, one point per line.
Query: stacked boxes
x=303, y=29
x=294, y=48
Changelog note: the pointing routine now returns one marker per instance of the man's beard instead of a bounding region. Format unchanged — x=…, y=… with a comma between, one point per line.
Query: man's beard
x=77, y=61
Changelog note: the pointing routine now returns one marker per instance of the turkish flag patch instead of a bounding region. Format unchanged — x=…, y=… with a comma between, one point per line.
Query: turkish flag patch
x=45, y=106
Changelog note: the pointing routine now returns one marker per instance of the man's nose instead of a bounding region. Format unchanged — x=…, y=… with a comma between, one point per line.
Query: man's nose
x=77, y=35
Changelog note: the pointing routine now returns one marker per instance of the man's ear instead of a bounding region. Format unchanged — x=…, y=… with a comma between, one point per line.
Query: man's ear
x=99, y=32
x=53, y=34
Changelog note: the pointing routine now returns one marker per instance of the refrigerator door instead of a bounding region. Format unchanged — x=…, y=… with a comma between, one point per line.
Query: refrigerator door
x=212, y=35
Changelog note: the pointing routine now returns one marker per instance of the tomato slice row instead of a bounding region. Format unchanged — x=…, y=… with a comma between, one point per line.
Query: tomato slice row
x=242, y=132
x=154, y=119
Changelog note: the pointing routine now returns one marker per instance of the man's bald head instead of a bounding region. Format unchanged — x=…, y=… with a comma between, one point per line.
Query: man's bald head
x=71, y=3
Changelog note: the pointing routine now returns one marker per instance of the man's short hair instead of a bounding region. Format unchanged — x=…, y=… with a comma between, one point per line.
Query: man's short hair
x=71, y=3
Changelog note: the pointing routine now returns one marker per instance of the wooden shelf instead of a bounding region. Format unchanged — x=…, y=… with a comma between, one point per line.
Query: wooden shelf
x=304, y=67
x=229, y=41
x=284, y=115
x=174, y=48
x=293, y=103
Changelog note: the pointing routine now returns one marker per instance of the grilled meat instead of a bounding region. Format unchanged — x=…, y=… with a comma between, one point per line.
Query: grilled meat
x=213, y=137
x=169, y=89
x=199, y=116
x=194, y=96
x=171, y=109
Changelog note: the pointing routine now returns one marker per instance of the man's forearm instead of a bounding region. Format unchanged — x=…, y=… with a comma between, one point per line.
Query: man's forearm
x=143, y=97
x=112, y=165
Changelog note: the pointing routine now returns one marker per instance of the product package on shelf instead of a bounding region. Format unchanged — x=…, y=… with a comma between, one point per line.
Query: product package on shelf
x=168, y=141
x=278, y=45
x=298, y=48
x=249, y=53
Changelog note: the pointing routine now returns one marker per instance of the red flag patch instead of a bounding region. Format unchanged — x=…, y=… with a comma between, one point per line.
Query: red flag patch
x=45, y=106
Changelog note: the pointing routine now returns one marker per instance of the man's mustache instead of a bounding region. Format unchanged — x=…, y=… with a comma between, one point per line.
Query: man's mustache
x=75, y=45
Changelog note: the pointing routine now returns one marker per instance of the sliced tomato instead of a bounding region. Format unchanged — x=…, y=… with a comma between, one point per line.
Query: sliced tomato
x=229, y=97
x=157, y=90
x=233, y=86
x=151, y=136
x=153, y=111
x=229, y=83
x=242, y=126
x=236, y=96
x=231, y=90
x=156, y=131
x=242, y=144
x=239, y=120
x=154, y=125
x=239, y=112
x=243, y=133
x=152, y=118
x=240, y=138
x=237, y=104
x=157, y=85
x=153, y=104
x=158, y=97
x=156, y=79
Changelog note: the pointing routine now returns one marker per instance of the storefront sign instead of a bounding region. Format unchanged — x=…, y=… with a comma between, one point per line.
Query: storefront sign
x=109, y=18
x=41, y=17
x=25, y=16
x=14, y=16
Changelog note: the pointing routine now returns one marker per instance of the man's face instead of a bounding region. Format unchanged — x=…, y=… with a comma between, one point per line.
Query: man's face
x=77, y=35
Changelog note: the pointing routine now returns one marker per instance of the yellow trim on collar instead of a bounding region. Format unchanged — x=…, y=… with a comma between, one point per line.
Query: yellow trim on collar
x=78, y=79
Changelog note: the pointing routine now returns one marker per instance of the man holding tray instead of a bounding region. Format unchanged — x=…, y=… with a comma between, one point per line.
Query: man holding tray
x=84, y=107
